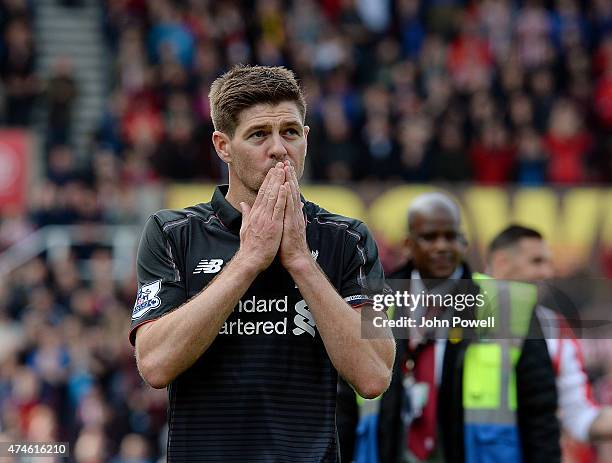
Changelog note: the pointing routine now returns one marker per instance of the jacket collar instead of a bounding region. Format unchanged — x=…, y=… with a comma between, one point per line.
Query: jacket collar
x=230, y=217
x=227, y=214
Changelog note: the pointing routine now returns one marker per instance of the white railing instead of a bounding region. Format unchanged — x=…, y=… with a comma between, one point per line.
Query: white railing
x=57, y=241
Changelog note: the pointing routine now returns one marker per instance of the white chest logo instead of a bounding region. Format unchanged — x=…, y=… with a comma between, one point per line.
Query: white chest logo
x=304, y=321
x=208, y=266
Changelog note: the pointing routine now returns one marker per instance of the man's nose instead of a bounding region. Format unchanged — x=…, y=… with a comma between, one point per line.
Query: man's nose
x=441, y=243
x=277, y=151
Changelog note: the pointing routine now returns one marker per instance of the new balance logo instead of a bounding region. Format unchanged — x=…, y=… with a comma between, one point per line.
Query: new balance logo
x=208, y=266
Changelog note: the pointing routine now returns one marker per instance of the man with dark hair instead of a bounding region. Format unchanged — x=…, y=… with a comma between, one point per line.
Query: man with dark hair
x=511, y=235
x=521, y=253
x=249, y=305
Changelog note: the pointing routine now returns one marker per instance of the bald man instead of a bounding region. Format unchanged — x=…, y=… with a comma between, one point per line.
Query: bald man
x=521, y=253
x=434, y=237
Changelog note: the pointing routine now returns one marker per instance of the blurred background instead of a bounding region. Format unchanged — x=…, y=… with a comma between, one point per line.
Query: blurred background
x=104, y=118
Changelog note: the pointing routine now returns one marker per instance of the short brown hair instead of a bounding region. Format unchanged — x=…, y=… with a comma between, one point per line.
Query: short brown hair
x=245, y=86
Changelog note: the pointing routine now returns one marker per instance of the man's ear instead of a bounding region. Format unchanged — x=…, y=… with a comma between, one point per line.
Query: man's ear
x=306, y=132
x=409, y=243
x=407, y=248
x=499, y=264
x=221, y=143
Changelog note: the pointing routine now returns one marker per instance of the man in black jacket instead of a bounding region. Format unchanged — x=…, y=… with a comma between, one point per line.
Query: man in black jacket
x=437, y=263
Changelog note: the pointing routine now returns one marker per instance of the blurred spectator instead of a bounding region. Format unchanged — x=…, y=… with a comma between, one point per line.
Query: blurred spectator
x=132, y=61
x=142, y=124
x=442, y=15
x=232, y=33
x=340, y=150
x=66, y=280
x=380, y=148
x=108, y=134
x=181, y=155
x=602, y=19
x=542, y=86
x=91, y=446
x=604, y=165
x=483, y=110
x=568, y=26
x=376, y=16
x=412, y=31
x=603, y=91
x=61, y=166
x=533, y=30
x=10, y=9
x=520, y=111
x=496, y=17
x=270, y=22
x=14, y=226
x=169, y=39
x=415, y=149
x=134, y=449
x=41, y=303
x=10, y=331
x=531, y=158
x=449, y=161
x=469, y=60
x=492, y=155
x=331, y=52
x=17, y=71
x=137, y=169
x=61, y=93
x=568, y=145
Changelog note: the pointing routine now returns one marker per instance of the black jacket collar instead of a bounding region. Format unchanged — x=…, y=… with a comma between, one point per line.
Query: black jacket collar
x=227, y=214
x=230, y=217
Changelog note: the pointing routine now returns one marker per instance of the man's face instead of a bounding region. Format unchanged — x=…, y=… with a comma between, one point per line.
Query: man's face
x=436, y=244
x=265, y=135
x=530, y=260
